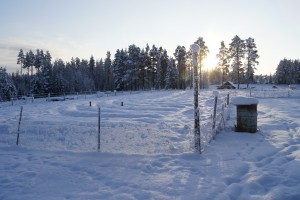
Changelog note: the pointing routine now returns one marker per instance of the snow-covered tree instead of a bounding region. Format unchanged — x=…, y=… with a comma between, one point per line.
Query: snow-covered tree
x=119, y=69
x=180, y=56
x=236, y=54
x=133, y=63
x=145, y=61
x=92, y=67
x=172, y=75
x=109, y=82
x=7, y=87
x=46, y=71
x=38, y=60
x=251, y=60
x=151, y=70
x=99, y=75
x=287, y=72
x=161, y=68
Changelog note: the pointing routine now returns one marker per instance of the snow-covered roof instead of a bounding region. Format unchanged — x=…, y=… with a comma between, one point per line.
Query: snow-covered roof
x=228, y=83
x=239, y=100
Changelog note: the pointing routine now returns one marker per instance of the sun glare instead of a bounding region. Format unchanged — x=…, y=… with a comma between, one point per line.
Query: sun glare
x=211, y=61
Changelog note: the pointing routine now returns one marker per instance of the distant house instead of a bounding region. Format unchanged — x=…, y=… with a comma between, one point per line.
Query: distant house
x=227, y=85
x=293, y=87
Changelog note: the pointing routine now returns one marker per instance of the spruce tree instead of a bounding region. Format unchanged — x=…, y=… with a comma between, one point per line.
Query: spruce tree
x=7, y=87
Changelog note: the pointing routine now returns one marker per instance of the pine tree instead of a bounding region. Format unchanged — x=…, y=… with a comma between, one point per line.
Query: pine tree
x=154, y=55
x=100, y=77
x=31, y=61
x=38, y=60
x=204, y=51
x=251, y=59
x=21, y=59
x=92, y=67
x=109, y=83
x=172, y=75
x=223, y=61
x=46, y=72
x=133, y=63
x=180, y=55
x=236, y=54
x=144, y=63
x=164, y=58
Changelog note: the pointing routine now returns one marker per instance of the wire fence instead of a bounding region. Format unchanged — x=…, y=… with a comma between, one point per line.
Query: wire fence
x=274, y=93
x=219, y=118
x=43, y=128
x=22, y=100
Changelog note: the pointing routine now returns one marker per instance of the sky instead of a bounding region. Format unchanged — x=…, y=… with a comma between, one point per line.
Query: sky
x=81, y=28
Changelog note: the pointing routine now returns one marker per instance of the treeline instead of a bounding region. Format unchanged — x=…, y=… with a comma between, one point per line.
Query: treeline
x=288, y=72
x=133, y=68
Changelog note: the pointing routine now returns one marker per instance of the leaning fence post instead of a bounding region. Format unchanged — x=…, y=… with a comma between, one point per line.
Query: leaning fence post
x=99, y=118
x=20, y=118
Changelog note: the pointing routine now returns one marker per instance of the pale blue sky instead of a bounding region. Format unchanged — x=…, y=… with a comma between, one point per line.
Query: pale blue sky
x=81, y=28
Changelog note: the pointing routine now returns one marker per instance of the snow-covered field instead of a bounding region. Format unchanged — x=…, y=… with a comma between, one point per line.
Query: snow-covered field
x=146, y=149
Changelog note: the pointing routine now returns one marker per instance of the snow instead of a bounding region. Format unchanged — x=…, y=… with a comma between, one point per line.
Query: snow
x=146, y=149
x=215, y=93
x=241, y=100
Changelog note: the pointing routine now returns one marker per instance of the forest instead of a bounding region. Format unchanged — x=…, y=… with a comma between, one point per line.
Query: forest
x=136, y=68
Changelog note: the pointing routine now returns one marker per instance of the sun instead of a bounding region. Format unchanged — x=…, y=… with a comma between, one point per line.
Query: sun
x=210, y=61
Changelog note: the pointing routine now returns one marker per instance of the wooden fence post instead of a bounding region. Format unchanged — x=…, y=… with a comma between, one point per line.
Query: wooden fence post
x=214, y=114
x=99, y=118
x=20, y=119
x=227, y=99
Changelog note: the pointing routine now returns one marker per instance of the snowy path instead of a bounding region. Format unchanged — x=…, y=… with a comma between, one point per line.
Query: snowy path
x=264, y=165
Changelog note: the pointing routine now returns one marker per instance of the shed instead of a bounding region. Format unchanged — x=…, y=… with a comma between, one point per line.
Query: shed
x=246, y=114
x=226, y=85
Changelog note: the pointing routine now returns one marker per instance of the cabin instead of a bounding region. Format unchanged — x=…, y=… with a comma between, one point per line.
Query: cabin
x=227, y=85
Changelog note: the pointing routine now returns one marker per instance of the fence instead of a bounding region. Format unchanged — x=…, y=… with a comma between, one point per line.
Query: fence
x=74, y=126
x=219, y=117
x=21, y=100
x=274, y=93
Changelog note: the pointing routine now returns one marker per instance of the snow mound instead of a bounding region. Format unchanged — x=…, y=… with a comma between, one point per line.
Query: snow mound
x=239, y=100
